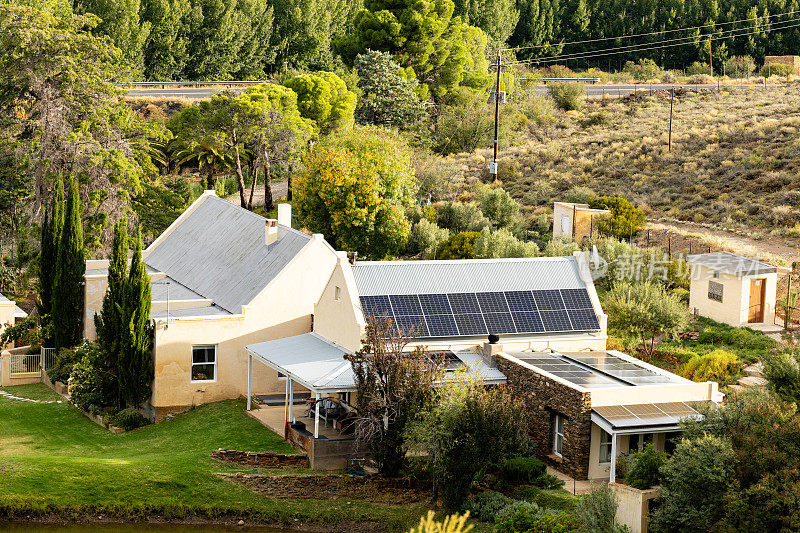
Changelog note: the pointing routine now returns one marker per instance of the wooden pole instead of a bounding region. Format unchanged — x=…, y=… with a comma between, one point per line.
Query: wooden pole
x=786, y=311
x=496, y=114
x=671, y=100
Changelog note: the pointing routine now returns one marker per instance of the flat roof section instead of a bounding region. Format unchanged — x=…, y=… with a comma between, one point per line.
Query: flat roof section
x=731, y=263
x=645, y=415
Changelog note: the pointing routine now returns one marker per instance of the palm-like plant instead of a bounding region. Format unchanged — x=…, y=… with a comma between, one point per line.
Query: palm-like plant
x=208, y=154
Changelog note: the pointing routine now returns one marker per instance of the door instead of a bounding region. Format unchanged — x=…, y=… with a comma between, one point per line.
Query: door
x=757, y=293
x=565, y=225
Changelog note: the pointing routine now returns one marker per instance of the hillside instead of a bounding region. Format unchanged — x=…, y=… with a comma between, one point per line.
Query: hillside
x=734, y=160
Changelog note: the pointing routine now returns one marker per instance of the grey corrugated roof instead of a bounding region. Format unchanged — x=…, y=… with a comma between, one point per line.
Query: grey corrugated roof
x=177, y=291
x=212, y=310
x=647, y=415
x=731, y=263
x=218, y=251
x=19, y=313
x=474, y=275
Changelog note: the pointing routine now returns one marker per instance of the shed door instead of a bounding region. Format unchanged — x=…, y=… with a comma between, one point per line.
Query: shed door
x=757, y=293
x=565, y=229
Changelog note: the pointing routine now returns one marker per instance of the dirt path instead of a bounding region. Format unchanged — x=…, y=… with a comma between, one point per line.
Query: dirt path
x=279, y=190
x=785, y=248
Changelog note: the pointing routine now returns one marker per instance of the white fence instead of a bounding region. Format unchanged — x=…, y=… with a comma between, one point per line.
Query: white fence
x=48, y=358
x=24, y=363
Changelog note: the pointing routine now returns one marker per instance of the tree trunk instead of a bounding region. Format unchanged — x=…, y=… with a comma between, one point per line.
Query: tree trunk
x=268, y=203
x=254, y=177
x=239, y=176
x=210, y=179
x=289, y=184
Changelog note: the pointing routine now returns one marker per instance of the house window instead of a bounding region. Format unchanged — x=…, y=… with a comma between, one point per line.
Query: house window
x=715, y=291
x=558, y=434
x=204, y=363
x=637, y=441
x=337, y=293
x=605, y=447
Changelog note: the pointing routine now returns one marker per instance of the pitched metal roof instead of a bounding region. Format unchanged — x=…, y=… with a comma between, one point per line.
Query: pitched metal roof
x=731, y=263
x=159, y=290
x=219, y=252
x=19, y=313
x=211, y=310
x=474, y=275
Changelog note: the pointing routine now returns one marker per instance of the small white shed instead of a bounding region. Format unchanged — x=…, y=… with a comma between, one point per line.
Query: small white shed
x=732, y=289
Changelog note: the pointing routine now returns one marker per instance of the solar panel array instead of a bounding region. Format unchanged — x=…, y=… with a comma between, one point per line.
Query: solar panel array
x=650, y=414
x=482, y=313
x=567, y=370
x=619, y=368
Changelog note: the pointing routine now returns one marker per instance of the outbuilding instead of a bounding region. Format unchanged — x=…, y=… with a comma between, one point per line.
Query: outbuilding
x=732, y=289
x=576, y=221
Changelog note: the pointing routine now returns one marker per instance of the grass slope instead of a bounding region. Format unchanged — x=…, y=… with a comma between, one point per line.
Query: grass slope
x=54, y=459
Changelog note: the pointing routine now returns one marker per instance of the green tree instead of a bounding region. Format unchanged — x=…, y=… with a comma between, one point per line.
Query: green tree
x=388, y=99
x=355, y=188
x=499, y=207
x=646, y=310
x=52, y=228
x=782, y=371
x=459, y=246
x=165, y=48
x=119, y=20
x=502, y=243
x=497, y=18
x=70, y=268
x=135, y=365
x=323, y=97
x=625, y=217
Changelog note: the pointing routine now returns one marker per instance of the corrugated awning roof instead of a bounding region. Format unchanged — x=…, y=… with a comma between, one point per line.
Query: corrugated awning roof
x=649, y=415
x=466, y=276
x=731, y=263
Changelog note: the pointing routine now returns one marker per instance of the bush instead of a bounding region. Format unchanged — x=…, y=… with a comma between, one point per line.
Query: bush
x=426, y=238
x=700, y=79
x=459, y=246
x=568, y=96
x=681, y=293
x=776, y=69
x=502, y=243
x=64, y=362
x=644, y=466
x=596, y=511
x=555, y=523
x=625, y=217
x=436, y=176
x=499, y=207
x=128, y=419
x=644, y=69
x=455, y=523
x=549, y=482
x=579, y=195
x=739, y=66
x=459, y=217
x=486, y=505
x=523, y=469
x=697, y=68
x=718, y=365
x=783, y=374
x=517, y=516
x=91, y=389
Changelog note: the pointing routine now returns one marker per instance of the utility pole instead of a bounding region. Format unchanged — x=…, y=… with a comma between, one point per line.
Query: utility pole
x=710, y=58
x=671, y=100
x=493, y=165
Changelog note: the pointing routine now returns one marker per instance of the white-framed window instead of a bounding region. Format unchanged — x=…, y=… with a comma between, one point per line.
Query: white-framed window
x=637, y=441
x=337, y=293
x=715, y=291
x=558, y=434
x=605, y=447
x=204, y=363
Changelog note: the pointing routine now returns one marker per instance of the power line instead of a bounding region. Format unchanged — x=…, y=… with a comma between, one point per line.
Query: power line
x=646, y=34
x=683, y=41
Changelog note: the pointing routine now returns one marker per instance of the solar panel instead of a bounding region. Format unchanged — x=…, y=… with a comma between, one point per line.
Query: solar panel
x=470, y=324
x=464, y=303
x=520, y=301
x=441, y=325
x=528, y=322
x=376, y=306
x=620, y=368
x=555, y=320
x=576, y=298
x=583, y=319
x=447, y=358
x=499, y=323
x=492, y=302
x=411, y=325
x=435, y=304
x=549, y=299
x=567, y=370
x=404, y=304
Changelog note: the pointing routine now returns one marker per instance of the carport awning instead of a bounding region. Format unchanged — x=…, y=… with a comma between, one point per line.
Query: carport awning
x=644, y=417
x=313, y=361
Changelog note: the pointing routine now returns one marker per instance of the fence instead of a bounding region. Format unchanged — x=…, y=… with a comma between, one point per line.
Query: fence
x=25, y=363
x=48, y=358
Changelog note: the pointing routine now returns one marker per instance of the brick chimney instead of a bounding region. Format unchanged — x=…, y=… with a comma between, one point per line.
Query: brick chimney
x=271, y=231
x=490, y=351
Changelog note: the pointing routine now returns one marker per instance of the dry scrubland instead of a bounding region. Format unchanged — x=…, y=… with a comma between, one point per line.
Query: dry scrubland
x=735, y=156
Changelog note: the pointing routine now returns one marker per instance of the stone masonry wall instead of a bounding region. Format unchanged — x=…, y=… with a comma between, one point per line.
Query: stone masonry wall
x=543, y=399
x=260, y=459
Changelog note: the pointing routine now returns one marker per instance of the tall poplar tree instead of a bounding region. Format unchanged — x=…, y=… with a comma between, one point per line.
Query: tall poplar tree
x=67, y=309
x=52, y=227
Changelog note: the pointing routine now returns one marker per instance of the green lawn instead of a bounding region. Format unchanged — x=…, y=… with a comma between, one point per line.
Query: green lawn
x=52, y=457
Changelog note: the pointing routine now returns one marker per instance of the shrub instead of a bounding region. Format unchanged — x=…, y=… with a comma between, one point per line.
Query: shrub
x=64, y=362
x=596, y=511
x=739, y=66
x=459, y=246
x=523, y=469
x=681, y=293
x=502, y=243
x=128, y=419
x=718, y=365
x=698, y=67
x=644, y=69
x=486, y=505
x=644, y=466
x=783, y=374
x=455, y=523
x=549, y=482
x=700, y=79
x=426, y=238
x=90, y=388
x=436, y=176
x=461, y=217
x=776, y=69
x=555, y=523
x=499, y=207
x=579, y=195
x=625, y=217
x=517, y=516
x=568, y=96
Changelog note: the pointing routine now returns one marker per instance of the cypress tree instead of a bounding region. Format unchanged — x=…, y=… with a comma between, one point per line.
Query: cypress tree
x=52, y=227
x=136, y=362
x=67, y=308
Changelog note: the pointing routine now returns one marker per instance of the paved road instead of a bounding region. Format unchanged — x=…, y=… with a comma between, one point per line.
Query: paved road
x=592, y=90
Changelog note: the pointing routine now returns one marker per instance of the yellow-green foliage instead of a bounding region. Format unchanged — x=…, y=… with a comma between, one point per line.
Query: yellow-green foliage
x=455, y=523
x=718, y=365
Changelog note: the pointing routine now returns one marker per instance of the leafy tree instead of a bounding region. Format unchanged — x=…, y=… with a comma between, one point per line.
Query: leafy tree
x=625, y=217
x=355, y=188
x=782, y=371
x=502, y=243
x=597, y=511
x=157, y=207
x=459, y=246
x=165, y=49
x=459, y=217
x=67, y=307
x=465, y=428
x=497, y=18
x=644, y=467
x=393, y=386
x=645, y=309
x=499, y=207
x=52, y=228
x=323, y=97
x=208, y=154
x=119, y=20
x=425, y=238
x=388, y=99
